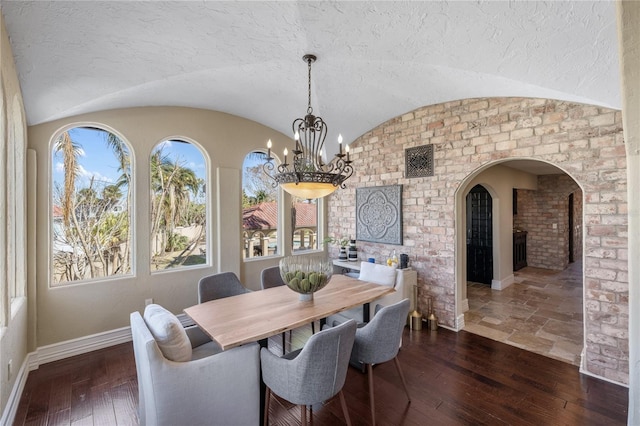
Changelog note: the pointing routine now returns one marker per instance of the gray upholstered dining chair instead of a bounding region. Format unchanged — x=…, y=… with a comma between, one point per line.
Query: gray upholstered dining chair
x=270, y=277
x=379, y=341
x=217, y=286
x=312, y=374
x=183, y=381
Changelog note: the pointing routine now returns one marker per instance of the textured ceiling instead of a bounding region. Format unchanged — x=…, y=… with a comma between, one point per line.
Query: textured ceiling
x=376, y=60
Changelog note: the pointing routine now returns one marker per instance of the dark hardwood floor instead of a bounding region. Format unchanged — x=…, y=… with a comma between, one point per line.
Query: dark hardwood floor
x=454, y=379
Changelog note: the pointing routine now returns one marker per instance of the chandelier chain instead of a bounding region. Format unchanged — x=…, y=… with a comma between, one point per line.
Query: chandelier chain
x=309, y=109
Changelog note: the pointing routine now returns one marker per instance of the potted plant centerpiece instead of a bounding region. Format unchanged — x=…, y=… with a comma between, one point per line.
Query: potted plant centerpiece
x=306, y=274
x=341, y=242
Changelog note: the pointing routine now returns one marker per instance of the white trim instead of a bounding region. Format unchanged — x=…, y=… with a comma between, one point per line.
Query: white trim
x=502, y=284
x=447, y=327
x=588, y=373
x=10, y=410
x=81, y=345
x=460, y=320
x=581, y=370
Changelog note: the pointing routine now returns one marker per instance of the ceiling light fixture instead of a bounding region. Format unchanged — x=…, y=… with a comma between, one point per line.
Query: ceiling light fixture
x=308, y=176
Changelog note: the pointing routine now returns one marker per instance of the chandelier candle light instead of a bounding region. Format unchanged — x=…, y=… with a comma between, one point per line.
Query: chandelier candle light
x=308, y=176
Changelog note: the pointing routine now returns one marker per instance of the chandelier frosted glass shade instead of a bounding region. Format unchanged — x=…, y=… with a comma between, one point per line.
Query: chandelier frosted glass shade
x=309, y=190
x=308, y=176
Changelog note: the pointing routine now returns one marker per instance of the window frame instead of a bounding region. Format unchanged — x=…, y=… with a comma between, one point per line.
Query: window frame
x=16, y=135
x=208, y=227
x=50, y=197
x=4, y=282
x=320, y=203
x=280, y=216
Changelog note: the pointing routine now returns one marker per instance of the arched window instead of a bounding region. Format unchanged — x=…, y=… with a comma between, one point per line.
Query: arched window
x=259, y=209
x=4, y=283
x=91, y=222
x=16, y=214
x=178, y=206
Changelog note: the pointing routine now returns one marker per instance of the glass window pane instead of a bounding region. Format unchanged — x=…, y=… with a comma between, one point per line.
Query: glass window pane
x=305, y=216
x=178, y=206
x=259, y=209
x=91, y=206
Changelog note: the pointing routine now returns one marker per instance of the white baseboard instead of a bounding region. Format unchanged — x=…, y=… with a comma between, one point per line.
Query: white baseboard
x=10, y=410
x=587, y=373
x=502, y=284
x=81, y=345
x=460, y=322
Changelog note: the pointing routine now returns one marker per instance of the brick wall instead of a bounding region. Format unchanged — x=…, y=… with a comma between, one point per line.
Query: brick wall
x=544, y=214
x=584, y=141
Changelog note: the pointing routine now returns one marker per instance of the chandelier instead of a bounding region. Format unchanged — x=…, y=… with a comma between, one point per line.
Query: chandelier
x=307, y=176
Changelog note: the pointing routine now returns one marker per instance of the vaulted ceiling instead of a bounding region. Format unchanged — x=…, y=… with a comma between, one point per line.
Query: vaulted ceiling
x=376, y=59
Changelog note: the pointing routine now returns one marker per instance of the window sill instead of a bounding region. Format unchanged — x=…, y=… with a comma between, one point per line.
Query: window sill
x=16, y=304
x=259, y=258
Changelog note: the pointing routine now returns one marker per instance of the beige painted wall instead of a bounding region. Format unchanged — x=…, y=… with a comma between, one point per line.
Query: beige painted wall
x=13, y=337
x=79, y=310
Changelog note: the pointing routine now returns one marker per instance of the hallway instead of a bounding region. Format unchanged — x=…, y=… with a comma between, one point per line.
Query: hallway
x=541, y=312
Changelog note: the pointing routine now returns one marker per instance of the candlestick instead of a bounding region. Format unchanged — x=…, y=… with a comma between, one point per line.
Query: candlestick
x=296, y=136
x=346, y=148
x=285, y=155
x=340, y=143
x=269, y=148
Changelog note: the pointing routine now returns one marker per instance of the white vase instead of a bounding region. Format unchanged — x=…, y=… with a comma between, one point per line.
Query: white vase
x=343, y=253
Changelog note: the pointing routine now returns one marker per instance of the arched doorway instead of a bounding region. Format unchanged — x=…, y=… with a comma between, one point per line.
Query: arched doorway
x=539, y=307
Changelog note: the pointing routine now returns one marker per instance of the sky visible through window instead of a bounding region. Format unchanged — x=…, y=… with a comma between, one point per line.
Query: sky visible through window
x=95, y=155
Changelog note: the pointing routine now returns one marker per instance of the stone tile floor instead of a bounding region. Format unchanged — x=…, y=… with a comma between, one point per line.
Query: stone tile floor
x=542, y=311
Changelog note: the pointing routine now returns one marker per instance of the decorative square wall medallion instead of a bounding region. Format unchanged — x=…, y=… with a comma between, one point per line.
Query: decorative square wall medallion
x=379, y=214
x=419, y=161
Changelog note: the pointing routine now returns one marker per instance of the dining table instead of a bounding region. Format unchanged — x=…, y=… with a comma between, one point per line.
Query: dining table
x=258, y=315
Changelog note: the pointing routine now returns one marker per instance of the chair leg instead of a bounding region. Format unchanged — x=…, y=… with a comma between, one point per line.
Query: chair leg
x=283, y=342
x=343, y=402
x=303, y=415
x=371, y=397
x=404, y=382
x=267, y=396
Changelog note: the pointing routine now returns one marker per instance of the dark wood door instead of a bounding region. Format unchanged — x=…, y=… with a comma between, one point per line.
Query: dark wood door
x=479, y=236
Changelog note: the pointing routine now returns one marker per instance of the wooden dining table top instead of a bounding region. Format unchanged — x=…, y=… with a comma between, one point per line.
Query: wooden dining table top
x=250, y=317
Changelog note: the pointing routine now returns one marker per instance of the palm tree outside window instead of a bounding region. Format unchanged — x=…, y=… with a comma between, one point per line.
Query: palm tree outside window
x=178, y=206
x=90, y=206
